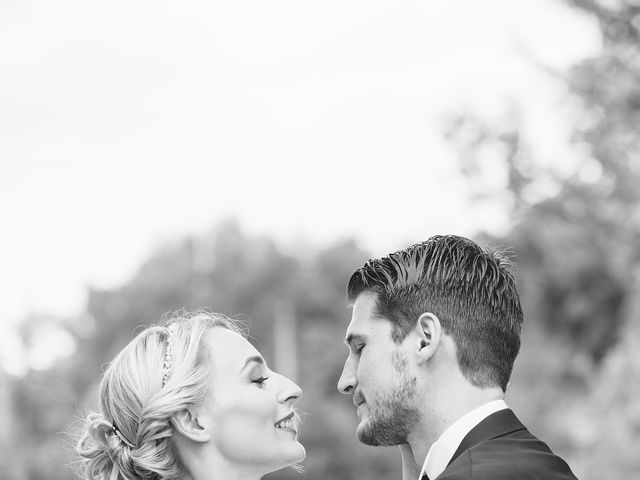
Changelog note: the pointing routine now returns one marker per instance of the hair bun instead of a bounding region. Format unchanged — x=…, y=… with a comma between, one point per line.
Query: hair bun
x=131, y=438
x=103, y=453
x=99, y=429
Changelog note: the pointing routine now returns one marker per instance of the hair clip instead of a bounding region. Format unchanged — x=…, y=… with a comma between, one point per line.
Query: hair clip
x=168, y=355
x=121, y=436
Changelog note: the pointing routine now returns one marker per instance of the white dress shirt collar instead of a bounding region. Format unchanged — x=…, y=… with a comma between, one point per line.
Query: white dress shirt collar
x=442, y=450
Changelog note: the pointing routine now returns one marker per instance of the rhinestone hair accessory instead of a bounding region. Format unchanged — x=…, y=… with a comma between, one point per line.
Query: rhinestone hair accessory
x=168, y=356
x=121, y=436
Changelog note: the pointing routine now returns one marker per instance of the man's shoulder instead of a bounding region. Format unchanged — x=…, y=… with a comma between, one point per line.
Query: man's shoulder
x=518, y=455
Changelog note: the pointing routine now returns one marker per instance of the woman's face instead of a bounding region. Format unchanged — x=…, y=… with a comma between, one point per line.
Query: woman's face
x=250, y=406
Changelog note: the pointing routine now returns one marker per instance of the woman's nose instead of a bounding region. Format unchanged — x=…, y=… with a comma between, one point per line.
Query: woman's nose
x=290, y=391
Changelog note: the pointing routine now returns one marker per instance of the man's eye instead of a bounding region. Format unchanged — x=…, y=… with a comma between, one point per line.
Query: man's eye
x=260, y=381
x=359, y=348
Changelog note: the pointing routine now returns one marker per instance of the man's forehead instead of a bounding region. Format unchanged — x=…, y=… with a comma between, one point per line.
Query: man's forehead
x=364, y=319
x=365, y=305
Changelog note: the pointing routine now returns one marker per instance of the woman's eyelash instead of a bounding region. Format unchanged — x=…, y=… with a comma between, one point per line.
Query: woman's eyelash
x=260, y=380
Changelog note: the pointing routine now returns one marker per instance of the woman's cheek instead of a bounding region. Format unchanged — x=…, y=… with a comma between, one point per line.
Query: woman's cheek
x=244, y=427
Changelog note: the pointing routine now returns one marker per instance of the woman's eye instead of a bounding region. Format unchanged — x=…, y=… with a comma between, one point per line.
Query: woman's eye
x=260, y=381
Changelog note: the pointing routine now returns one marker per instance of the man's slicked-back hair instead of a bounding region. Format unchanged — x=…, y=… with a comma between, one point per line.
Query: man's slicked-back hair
x=470, y=290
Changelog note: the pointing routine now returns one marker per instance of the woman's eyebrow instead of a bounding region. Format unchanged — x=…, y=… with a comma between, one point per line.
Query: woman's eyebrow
x=253, y=359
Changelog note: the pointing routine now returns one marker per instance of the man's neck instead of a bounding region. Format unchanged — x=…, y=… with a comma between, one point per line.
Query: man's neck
x=440, y=413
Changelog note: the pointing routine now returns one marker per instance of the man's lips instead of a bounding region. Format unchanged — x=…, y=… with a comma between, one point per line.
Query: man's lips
x=358, y=400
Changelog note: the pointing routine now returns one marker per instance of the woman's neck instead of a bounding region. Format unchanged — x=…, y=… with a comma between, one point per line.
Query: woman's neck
x=223, y=475
x=219, y=470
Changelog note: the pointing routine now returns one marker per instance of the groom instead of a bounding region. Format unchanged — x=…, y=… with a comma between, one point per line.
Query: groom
x=433, y=336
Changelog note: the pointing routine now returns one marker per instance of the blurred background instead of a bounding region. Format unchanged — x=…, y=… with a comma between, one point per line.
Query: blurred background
x=248, y=156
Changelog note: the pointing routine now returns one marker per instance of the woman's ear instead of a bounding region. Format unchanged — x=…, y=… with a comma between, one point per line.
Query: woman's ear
x=429, y=335
x=189, y=424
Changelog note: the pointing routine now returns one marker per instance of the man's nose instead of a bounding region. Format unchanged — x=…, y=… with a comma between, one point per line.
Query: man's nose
x=347, y=381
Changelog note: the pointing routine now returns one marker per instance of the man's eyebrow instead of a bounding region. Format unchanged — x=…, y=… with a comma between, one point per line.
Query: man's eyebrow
x=353, y=337
x=254, y=359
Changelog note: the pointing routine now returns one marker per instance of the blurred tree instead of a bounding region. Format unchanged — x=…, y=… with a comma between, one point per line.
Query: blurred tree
x=576, y=231
x=608, y=425
x=230, y=272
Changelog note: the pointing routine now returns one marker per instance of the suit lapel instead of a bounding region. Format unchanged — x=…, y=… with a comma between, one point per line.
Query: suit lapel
x=498, y=424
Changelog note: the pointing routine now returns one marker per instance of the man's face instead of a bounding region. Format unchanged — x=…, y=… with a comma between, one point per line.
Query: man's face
x=377, y=374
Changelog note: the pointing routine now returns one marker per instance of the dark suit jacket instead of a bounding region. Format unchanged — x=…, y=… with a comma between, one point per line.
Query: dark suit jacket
x=501, y=448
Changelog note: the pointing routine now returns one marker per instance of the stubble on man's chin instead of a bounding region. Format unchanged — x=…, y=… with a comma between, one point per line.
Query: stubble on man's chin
x=387, y=430
x=391, y=416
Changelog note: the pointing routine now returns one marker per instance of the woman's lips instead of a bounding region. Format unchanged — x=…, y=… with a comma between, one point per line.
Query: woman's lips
x=288, y=429
x=288, y=423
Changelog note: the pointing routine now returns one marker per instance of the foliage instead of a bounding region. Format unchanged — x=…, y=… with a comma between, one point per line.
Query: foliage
x=576, y=232
x=227, y=271
x=575, y=229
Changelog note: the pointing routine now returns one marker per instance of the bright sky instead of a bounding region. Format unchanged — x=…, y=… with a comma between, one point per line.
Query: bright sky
x=124, y=123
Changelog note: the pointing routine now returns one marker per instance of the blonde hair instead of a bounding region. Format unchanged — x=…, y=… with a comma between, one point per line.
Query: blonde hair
x=130, y=438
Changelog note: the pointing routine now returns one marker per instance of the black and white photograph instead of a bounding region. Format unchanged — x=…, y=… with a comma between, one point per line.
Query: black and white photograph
x=337, y=240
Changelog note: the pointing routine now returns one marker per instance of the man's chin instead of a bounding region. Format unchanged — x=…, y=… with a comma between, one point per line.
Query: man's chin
x=374, y=437
x=366, y=438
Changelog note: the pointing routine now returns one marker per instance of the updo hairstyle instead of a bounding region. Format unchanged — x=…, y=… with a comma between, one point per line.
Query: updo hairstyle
x=142, y=388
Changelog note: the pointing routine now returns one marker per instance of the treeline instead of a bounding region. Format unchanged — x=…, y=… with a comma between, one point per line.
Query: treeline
x=575, y=238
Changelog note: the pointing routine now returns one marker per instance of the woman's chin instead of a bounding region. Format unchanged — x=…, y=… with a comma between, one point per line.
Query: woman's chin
x=292, y=449
x=298, y=453
x=303, y=452
x=295, y=453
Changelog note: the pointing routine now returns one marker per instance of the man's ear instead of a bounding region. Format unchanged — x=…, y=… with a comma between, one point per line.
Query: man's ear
x=191, y=425
x=429, y=335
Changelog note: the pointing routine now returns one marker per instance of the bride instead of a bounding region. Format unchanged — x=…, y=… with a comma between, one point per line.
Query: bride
x=191, y=400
